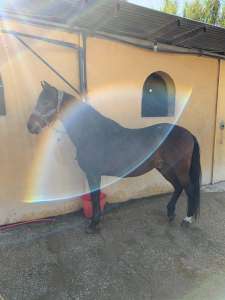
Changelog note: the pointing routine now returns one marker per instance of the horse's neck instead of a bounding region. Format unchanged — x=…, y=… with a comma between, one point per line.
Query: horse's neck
x=78, y=118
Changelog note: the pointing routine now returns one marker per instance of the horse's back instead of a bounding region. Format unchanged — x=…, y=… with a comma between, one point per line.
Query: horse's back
x=107, y=148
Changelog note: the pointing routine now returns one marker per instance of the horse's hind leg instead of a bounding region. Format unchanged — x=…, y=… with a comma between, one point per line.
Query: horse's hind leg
x=171, y=206
x=172, y=178
x=189, y=189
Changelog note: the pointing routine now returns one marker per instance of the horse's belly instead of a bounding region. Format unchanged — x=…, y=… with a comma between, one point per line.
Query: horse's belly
x=126, y=155
x=126, y=163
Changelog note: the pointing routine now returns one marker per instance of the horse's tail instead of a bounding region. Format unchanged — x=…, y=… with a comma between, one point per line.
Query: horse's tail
x=195, y=177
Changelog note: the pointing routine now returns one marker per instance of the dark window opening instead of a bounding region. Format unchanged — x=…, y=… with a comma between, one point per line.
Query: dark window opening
x=2, y=99
x=158, y=97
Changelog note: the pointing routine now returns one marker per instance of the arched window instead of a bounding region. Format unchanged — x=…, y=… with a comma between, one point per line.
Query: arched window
x=2, y=99
x=158, y=96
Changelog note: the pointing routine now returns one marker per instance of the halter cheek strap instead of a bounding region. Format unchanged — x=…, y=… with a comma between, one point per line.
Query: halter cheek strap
x=45, y=117
x=60, y=100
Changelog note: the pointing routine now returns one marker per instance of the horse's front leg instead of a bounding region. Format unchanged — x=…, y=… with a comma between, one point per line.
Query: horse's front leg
x=94, y=185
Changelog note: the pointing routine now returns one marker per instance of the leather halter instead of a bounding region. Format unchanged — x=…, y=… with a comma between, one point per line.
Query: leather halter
x=45, y=117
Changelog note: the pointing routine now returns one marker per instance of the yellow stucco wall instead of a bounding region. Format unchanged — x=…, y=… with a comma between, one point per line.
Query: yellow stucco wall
x=34, y=167
x=41, y=167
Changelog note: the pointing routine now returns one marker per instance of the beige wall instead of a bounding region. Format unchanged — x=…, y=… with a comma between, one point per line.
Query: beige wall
x=35, y=167
x=41, y=167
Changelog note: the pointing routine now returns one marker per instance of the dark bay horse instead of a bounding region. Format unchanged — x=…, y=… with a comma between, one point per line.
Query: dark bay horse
x=105, y=148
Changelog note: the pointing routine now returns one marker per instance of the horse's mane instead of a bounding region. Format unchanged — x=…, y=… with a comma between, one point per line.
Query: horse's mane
x=90, y=111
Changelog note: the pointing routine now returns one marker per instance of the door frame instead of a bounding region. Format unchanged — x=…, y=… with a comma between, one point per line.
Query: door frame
x=77, y=48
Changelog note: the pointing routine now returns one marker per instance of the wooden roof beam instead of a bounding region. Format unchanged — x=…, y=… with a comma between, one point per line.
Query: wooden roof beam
x=181, y=38
x=155, y=35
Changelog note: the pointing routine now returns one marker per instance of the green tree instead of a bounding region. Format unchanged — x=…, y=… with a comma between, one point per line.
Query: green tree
x=170, y=7
x=194, y=10
x=221, y=19
x=211, y=11
x=207, y=11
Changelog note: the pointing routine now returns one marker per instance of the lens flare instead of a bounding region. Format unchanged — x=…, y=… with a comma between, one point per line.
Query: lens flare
x=55, y=174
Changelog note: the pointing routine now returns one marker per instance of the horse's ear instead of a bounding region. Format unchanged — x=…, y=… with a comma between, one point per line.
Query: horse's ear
x=46, y=84
x=43, y=84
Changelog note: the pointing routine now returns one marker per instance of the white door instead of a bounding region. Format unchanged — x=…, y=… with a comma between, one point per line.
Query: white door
x=219, y=152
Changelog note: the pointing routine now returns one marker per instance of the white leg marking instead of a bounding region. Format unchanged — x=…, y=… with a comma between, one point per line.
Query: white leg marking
x=188, y=219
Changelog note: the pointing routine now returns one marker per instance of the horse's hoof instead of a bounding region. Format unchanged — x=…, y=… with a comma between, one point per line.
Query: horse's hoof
x=185, y=224
x=171, y=218
x=92, y=229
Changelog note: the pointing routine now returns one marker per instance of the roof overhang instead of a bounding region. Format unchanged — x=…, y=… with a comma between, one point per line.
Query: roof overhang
x=122, y=21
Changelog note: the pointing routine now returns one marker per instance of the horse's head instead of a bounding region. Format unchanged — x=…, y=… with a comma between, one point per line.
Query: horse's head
x=49, y=103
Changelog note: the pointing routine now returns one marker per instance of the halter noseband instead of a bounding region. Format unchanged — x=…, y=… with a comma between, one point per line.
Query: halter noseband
x=45, y=117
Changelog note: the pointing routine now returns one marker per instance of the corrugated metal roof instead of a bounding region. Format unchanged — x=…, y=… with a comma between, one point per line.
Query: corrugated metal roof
x=49, y=10
x=120, y=18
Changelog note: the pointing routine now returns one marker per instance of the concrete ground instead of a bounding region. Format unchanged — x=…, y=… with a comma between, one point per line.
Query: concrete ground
x=137, y=255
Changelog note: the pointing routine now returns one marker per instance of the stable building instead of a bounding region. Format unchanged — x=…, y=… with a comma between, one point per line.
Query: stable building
x=133, y=64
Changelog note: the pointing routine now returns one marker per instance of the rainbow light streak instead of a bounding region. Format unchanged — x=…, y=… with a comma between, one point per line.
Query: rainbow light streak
x=38, y=177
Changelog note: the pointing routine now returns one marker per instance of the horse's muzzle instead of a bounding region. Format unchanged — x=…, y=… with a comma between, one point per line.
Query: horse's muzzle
x=33, y=127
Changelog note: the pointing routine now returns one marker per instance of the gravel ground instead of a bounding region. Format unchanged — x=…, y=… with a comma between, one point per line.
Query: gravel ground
x=136, y=255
